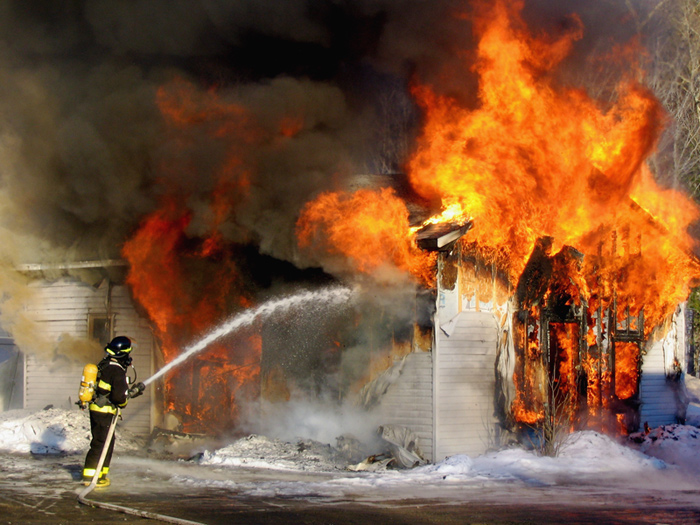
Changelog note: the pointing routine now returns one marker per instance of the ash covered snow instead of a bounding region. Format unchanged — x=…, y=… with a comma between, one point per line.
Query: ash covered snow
x=674, y=444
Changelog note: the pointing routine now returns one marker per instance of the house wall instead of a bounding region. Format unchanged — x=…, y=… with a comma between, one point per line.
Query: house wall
x=62, y=310
x=11, y=374
x=662, y=397
x=464, y=385
x=408, y=400
x=470, y=302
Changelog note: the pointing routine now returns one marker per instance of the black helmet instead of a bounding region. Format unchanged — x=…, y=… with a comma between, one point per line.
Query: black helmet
x=119, y=347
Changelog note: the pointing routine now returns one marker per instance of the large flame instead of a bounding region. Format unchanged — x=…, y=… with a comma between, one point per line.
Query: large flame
x=186, y=283
x=369, y=229
x=203, y=394
x=536, y=159
x=532, y=159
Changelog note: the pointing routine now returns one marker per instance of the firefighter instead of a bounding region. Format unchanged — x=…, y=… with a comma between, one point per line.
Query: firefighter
x=111, y=395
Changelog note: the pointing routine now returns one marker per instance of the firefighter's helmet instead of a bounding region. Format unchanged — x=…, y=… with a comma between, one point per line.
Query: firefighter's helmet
x=119, y=347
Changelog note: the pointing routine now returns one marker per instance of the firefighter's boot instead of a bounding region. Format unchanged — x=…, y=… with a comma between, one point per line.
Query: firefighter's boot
x=103, y=482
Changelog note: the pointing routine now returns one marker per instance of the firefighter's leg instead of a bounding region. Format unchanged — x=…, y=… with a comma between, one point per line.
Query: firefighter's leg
x=99, y=425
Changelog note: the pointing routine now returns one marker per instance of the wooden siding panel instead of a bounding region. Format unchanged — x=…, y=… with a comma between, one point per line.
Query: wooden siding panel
x=63, y=308
x=464, y=385
x=408, y=401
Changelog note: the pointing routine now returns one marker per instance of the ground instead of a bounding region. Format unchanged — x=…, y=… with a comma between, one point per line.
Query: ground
x=596, y=479
x=44, y=489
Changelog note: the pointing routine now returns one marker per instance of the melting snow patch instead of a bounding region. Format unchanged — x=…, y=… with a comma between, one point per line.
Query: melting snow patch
x=454, y=465
x=590, y=451
x=51, y=431
x=583, y=454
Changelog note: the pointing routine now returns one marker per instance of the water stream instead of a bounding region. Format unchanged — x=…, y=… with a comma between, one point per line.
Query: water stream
x=336, y=294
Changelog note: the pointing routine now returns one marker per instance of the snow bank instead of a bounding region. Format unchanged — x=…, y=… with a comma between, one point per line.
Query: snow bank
x=674, y=444
x=583, y=454
x=51, y=431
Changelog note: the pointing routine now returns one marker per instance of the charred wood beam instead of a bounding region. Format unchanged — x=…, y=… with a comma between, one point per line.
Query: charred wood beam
x=441, y=236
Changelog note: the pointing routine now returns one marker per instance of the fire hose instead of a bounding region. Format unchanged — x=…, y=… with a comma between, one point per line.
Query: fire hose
x=119, y=508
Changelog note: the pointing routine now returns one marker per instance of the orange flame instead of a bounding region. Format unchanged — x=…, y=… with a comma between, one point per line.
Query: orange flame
x=370, y=229
x=531, y=160
x=565, y=339
x=535, y=159
x=187, y=285
x=182, y=306
x=626, y=371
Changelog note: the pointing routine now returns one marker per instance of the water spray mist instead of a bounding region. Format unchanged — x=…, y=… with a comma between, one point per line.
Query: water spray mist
x=337, y=294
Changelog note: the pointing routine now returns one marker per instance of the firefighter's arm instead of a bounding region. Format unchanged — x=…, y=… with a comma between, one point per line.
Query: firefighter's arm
x=120, y=391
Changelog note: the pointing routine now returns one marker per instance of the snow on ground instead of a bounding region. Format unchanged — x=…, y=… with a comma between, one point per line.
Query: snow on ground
x=587, y=455
x=262, y=452
x=674, y=444
x=51, y=431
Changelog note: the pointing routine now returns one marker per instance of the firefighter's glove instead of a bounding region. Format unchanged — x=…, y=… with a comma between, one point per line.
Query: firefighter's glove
x=136, y=390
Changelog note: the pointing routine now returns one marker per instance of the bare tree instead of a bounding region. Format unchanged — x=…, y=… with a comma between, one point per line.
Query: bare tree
x=556, y=425
x=672, y=35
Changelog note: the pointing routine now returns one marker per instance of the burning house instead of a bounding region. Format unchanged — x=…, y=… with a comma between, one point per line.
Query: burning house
x=556, y=262
x=527, y=360
x=529, y=270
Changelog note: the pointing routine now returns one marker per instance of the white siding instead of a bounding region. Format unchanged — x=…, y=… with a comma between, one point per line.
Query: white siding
x=464, y=385
x=11, y=375
x=408, y=401
x=658, y=399
x=62, y=309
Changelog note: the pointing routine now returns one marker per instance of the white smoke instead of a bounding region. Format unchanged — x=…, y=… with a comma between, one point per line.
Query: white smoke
x=319, y=420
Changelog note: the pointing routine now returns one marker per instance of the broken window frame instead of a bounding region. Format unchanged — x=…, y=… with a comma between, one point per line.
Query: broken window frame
x=102, y=336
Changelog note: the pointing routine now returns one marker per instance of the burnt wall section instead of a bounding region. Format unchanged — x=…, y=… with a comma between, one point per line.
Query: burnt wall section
x=576, y=342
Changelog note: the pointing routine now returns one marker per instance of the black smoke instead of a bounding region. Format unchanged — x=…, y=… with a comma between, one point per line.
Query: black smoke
x=86, y=152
